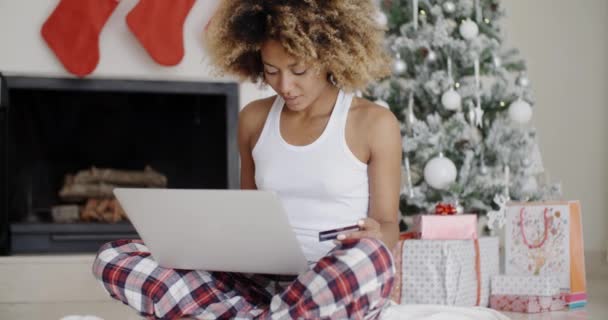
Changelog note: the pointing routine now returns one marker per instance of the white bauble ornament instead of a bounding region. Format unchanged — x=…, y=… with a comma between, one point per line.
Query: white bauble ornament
x=483, y=169
x=382, y=103
x=440, y=172
x=449, y=7
x=399, y=66
x=381, y=18
x=522, y=81
x=451, y=100
x=431, y=56
x=520, y=111
x=468, y=29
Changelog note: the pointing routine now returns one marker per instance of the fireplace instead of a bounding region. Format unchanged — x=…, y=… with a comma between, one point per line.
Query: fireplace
x=51, y=127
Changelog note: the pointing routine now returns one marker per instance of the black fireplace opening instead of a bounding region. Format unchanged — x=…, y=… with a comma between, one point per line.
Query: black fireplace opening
x=58, y=127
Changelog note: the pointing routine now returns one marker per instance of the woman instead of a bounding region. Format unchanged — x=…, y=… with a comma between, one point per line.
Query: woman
x=333, y=159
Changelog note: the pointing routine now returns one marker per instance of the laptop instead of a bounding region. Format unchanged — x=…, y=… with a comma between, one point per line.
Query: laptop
x=243, y=231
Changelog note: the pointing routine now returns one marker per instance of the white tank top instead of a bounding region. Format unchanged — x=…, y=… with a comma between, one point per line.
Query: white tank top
x=321, y=185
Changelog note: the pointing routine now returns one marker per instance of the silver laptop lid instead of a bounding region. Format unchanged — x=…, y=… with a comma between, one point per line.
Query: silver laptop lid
x=214, y=230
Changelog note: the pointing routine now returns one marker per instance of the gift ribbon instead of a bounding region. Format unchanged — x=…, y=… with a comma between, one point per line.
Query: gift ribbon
x=523, y=233
x=477, y=271
x=445, y=209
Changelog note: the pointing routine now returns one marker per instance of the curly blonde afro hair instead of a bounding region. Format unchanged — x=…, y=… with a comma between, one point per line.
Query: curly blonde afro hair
x=339, y=35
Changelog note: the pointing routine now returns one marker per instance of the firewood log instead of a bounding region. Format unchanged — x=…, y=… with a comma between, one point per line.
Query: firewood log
x=114, y=209
x=146, y=178
x=103, y=210
x=65, y=213
x=80, y=192
x=121, y=211
x=107, y=216
x=103, y=206
x=88, y=212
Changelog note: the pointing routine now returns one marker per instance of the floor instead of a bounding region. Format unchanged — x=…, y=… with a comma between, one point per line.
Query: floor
x=35, y=287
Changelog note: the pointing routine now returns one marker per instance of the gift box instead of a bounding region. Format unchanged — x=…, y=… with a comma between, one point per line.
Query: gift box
x=447, y=272
x=445, y=227
x=529, y=294
x=528, y=304
x=525, y=285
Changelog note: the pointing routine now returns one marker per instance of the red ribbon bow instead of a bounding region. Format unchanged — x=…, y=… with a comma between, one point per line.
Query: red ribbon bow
x=445, y=209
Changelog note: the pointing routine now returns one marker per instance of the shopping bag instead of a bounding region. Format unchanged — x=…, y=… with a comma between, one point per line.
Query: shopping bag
x=546, y=239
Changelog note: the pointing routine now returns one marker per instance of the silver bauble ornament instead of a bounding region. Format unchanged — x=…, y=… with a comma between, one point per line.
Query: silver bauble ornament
x=449, y=7
x=468, y=29
x=381, y=18
x=440, y=172
x=459, y=209
x=451, y=100
x=399, y=67
x=483, y=169
x=450, y=25
x=520, y=111
x=522, y=81
x=431, y=56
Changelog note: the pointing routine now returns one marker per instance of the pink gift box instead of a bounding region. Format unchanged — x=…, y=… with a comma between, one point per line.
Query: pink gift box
x=528, y=304
x=529, y=294
x=446, y=227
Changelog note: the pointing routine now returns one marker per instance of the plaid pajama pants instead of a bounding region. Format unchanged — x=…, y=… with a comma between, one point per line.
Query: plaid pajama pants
x=352, y=281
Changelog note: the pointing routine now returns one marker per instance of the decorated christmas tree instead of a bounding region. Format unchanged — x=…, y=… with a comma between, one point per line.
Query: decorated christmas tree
x=465, y=105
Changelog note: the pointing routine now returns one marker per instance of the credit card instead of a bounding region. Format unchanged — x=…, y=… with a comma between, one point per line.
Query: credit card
x=333, y=233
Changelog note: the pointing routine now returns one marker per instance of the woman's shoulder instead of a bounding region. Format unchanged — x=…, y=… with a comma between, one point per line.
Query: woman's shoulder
x=377, y=126
x=252, y=118
x=256, y=111
x=255, y=107
x=372, y=117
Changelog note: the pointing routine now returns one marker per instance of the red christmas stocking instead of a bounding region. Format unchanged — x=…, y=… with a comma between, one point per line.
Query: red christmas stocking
x=72, y=32
x=158, y=25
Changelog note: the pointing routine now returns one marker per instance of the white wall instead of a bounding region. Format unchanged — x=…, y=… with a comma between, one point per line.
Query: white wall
x=565, y=45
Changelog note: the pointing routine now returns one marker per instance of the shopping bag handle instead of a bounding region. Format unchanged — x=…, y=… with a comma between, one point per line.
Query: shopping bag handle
x=523, y=234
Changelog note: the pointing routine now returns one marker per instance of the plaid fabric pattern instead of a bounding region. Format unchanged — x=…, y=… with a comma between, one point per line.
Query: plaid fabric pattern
x=352, y=281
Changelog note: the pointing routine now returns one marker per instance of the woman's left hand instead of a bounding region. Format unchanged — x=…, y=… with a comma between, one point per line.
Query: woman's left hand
x=370, y=228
